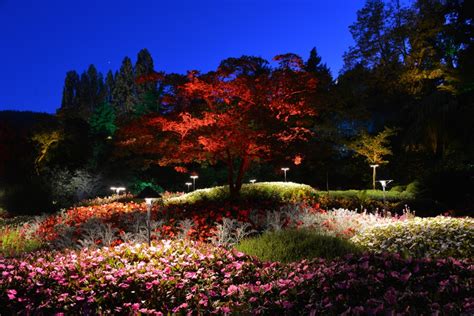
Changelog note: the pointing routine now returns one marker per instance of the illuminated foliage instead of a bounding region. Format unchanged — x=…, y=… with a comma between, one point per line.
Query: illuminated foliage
x=243, y=112
x=102, y=121
x=374, y=148
x=45, y=141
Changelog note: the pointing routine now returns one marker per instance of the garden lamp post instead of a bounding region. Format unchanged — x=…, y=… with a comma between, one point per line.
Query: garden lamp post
x=384, y=184
x=194, y=177
x=253, y=181
x=149, y=195
x=373, y=174
x=284, y=171
x=188, y=184
x=117, y=189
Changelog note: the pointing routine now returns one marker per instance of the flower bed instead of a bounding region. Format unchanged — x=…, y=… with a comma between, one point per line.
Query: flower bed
x=113, y=223
x=436, y=237
x=184, y=276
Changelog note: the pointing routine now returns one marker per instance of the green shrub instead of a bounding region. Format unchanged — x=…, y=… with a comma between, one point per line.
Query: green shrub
x=294, y=245
x=368, y=199
x=421, y=237
x=273, y=191
x=139, y=185
x=13, y=242
x=398, y=188
x=413, y=188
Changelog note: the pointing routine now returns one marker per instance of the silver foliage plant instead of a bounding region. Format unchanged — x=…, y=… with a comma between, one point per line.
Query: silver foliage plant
x=231, y=231
x=184, y=227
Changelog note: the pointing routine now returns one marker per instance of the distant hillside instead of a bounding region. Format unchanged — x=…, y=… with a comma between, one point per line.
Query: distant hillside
x=25, y=120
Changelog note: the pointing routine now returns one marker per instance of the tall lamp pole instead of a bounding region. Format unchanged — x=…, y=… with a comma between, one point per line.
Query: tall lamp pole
x=384, y=184
x=150, y=196
x=374, y=167
x=194, y=177
x=117, y=189
x=284, y=171
x=188, y=184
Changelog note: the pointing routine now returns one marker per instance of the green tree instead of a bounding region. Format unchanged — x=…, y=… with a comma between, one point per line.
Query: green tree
x=102, y=121
x=71, y=82
x=124, y=93
x=109, y=86
x=374, y=148
x=144, y=67
x=323, y=73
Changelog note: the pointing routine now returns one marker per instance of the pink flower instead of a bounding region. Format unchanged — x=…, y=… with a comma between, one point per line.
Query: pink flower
x=11, y=294
x=232, y=290
x=225, y=309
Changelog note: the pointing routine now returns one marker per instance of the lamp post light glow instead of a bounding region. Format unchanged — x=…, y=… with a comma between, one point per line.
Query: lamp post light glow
x=194, y=177
x=188, y=184
x=284, y=171
x=253, y=181
x=117, y=189
x=149, y=195
x=373, y=174
x=384, y=184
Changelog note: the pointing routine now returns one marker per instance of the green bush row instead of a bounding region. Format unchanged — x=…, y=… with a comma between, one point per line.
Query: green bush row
x=268, y=191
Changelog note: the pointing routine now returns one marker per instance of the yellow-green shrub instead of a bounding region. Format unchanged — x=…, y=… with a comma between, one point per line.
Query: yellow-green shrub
x=421, y=237
x=275, y=191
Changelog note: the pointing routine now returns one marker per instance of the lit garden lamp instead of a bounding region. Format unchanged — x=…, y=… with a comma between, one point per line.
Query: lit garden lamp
x=253, y=181
x=117, y=189
x=384, y=184
x=149, y=195
x=374, y=167
x=188, y=184
x=194, y=177
x=285, y=170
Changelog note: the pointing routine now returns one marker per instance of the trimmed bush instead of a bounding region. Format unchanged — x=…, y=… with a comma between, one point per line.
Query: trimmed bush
x=274, y=191
x=421, y=237
x=294, y=245
x=366, y=199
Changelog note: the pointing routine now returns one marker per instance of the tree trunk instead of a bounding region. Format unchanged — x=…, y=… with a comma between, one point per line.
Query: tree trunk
x=234, y=187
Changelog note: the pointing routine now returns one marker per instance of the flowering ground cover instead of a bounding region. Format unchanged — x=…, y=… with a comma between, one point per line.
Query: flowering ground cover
x=437, y=237
x=184, y=276
x=94, y=260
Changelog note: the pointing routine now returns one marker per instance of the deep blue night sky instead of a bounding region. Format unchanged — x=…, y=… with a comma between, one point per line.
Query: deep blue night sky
x=42, y=40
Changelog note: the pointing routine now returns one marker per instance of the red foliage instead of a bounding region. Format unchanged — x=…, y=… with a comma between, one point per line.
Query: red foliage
x=241, y=113
x=297, y=160
x=204, y=216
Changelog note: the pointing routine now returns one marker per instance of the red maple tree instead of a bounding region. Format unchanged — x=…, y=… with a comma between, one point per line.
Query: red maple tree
x=243, y=112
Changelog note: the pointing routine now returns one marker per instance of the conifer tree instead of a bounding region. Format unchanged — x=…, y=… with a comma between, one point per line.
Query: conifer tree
x=109, y=86
x=71, y=82
x=144, y=67
x=322, y=72
x=95, y=88
x=124, y=94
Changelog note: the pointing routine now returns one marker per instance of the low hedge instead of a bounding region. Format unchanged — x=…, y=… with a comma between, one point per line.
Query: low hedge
x=437, y=237
x=365, y=199
x=262, y=191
